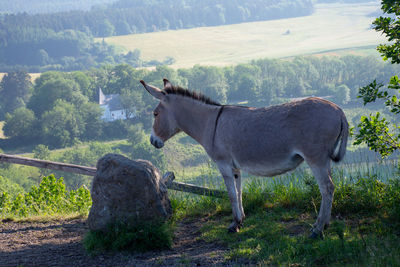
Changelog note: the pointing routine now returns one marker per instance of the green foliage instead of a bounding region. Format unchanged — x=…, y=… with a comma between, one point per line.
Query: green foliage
x=20, y=124
x=146, y=151
x=15, y=90
x=85, y=156
x=52, y=87
x=49, y=198
x=390, y=27
x=11, y=188
x=131, y=236
x=41, y=152
x=375, y=130
x=62, y=126
x=39, y=48
x=376, y=133
x=342, y=94
x=208, y=80
x=140, y=147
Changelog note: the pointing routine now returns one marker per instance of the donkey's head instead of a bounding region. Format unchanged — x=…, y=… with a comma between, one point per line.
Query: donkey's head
x=164, y=126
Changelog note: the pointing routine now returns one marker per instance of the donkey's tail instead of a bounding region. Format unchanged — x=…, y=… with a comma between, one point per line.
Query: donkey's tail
x=339, y=149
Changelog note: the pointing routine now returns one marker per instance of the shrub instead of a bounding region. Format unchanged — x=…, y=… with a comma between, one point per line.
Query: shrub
x=132, y=236
x=50, y=197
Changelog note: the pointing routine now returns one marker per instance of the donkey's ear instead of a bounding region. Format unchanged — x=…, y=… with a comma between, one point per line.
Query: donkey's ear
x=154, y=91
x=167, y=84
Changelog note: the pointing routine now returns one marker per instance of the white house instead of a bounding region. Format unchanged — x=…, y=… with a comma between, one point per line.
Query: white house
x=113, y=109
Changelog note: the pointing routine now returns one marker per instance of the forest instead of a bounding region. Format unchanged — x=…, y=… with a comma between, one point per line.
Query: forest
x=60, y=109
x=65, y=40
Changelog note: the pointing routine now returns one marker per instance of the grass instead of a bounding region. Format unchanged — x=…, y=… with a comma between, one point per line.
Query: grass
x=332, y=29
x=364, y=228
x=132, y=236
x=46, y=218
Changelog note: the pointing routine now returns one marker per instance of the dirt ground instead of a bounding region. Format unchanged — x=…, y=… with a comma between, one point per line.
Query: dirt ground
x=58, y=243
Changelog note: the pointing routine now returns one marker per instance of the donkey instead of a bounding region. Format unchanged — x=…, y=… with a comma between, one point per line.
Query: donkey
x=262, y=141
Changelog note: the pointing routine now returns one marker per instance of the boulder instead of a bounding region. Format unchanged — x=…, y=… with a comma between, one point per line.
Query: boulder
x=125, y=189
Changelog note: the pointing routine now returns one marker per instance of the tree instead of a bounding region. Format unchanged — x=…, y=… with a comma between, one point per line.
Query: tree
x=15, y=91
x=209, y=81
x=132, y=102
x=106, y=29
x=41, y=152
x=375, y=130
x=84, y=83
x=136, y=134
x=62, y=125
x=268, y=93
x=342, y=94
x=51, y=88
x=91, y=116
x=20, y=124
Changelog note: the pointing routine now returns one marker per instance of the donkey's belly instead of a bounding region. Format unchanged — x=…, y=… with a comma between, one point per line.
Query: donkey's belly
x=272, y=168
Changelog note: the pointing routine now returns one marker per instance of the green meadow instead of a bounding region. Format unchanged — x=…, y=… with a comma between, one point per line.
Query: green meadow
x=332, y=29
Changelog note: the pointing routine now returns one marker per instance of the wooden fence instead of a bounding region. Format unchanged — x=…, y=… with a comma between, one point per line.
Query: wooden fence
x=168, y=177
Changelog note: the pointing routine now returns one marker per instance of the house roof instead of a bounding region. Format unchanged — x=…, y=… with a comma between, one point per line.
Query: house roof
x=113, y=101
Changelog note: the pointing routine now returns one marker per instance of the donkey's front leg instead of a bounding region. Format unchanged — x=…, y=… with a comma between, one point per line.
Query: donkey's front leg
x=227, y=174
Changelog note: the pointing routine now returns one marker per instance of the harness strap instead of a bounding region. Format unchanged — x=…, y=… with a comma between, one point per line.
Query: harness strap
x=216, y=123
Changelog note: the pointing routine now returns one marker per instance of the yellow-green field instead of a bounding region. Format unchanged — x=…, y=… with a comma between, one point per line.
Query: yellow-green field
x=34, y=76
x=331, y=27
x=1, y=129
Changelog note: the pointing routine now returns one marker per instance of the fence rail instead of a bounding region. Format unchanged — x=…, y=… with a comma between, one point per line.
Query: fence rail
x=168, y=177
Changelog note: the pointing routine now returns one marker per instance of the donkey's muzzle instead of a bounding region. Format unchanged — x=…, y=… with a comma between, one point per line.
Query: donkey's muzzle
x=156, y=142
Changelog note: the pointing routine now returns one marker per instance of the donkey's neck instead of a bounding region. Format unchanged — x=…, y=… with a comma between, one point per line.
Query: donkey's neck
x=197, y=120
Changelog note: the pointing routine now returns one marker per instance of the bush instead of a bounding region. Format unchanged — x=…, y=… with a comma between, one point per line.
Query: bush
x=50, y=197
x=132, y=236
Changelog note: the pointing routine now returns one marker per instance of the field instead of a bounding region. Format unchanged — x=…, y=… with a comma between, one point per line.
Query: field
x=34, y=76
x=332, y=29
x=1, y=129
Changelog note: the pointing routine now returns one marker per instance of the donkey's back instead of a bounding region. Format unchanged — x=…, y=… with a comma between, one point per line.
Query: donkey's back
x=273, y=140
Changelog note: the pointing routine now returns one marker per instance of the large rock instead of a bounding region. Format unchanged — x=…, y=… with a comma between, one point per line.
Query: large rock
x=124, y=189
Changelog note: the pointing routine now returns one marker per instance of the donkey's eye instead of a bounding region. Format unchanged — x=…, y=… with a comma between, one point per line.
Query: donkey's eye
x=155, y=113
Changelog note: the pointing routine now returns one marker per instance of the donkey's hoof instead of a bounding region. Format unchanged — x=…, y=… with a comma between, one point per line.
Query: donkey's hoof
x=233, y=228
x=318, y=235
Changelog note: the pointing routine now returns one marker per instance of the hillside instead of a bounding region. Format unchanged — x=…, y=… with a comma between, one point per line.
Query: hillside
x=332, y=27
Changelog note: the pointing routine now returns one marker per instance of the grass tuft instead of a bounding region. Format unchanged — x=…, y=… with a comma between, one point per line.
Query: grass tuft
x=131, y=236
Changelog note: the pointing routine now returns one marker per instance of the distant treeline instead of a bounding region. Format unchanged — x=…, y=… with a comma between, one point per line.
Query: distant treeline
x=64, y=40
x=60, y=109
x=132, y=16
x=48, y=6
x=343, y=1
x=40, y=50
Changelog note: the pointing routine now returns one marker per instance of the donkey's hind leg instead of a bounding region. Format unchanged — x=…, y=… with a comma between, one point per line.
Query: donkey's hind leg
x=227, y=173
x=322, y=173
x=238, y=182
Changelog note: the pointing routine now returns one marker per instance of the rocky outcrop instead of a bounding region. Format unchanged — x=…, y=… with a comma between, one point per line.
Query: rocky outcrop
x=125, y=190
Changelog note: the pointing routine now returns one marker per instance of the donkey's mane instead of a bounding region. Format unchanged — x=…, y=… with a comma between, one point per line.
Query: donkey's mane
x=176, y=90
